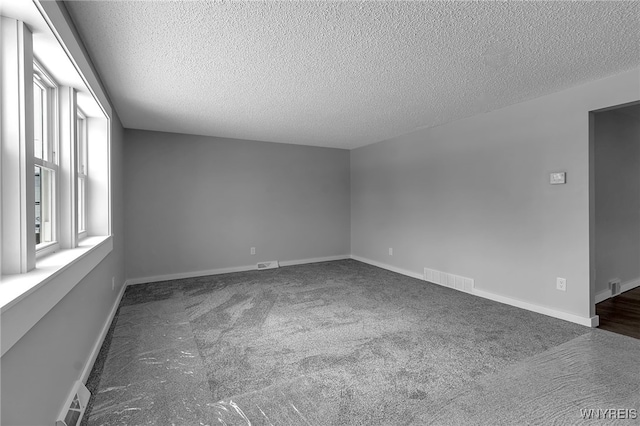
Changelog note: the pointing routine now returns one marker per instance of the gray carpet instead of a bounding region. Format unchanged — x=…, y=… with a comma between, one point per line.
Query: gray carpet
x=335, y=343
x=598, y=370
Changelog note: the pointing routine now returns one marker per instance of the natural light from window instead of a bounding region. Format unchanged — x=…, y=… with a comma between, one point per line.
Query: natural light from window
x=55, y=204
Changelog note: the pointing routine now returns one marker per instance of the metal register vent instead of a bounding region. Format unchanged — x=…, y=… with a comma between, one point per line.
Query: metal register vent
x=449, y=280
x=272, y=264
x=75, y=406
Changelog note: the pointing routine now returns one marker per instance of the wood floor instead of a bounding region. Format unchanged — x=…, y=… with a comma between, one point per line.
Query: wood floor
x=621, y=314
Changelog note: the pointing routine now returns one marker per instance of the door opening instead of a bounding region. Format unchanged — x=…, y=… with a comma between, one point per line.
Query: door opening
x=614, y=204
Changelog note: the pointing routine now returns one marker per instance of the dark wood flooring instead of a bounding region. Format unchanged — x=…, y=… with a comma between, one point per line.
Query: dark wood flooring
x=621, y=314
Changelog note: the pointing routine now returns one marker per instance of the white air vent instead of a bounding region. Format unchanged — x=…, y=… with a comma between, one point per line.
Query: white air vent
x=73, y=409
x=449, y=280
x=272, y=264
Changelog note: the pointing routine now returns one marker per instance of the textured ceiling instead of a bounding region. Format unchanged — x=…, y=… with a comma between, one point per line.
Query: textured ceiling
x=343, y=74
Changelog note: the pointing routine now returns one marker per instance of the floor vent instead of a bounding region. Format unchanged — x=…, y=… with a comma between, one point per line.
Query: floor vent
x=273, y=264
x=73, y=410
x=449, y=280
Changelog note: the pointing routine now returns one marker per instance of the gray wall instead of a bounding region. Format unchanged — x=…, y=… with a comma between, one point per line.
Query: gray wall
x=473, y=197
x=40, y=369
x=617, y=178
x=199, y=203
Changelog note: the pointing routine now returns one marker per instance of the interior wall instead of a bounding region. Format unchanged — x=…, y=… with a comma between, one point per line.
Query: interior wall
x=40, y=369
x=196, y=203
x=617, y=198
x=473, y=197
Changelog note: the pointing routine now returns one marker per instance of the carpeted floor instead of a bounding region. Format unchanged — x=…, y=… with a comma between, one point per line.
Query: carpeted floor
x=345, y=343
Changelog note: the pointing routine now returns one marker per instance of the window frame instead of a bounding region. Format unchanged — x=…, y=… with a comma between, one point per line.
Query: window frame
x=82, y=172
x=50, y=131
x=29, y=286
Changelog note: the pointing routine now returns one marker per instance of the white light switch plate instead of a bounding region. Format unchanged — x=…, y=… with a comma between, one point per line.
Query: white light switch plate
x=558, y=178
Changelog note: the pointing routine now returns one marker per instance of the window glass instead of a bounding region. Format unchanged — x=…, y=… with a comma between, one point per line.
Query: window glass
x=44, y=193
x=81, y=205
x=44, y=157
x=40, y=121
x=82, y=170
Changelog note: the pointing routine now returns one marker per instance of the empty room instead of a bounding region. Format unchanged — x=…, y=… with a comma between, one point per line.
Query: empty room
x=319, y=213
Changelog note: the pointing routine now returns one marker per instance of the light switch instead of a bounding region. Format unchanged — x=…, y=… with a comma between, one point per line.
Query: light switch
x=558, y=178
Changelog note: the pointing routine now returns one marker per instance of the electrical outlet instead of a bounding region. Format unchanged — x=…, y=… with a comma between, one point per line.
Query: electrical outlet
x=253, y=251
x=390, y=251
x=561, y=284
x=113, y=283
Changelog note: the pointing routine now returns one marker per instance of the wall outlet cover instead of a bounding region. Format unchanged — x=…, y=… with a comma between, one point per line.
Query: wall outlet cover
x=561, y=284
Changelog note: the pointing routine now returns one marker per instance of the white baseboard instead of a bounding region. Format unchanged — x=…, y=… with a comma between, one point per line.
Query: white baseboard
x=589, y=322
x=103, y=334
x=313, y=260
x=181, y=275
x=586, y=321
x=219, y=271
x=602, y=296
x=389, y=267
x=626, y=286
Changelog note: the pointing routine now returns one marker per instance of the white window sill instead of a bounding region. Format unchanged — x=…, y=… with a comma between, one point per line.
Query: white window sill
x=26, y=298
x=46, y=249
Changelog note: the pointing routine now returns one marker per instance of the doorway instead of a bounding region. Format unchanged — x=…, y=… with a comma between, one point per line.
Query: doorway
x=614, y=202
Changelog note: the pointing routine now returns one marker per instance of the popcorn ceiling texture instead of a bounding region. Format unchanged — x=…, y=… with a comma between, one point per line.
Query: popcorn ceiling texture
x=343, y=74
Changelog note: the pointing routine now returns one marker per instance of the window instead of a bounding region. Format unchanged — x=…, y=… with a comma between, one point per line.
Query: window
x=45, y=160
x=49, y=239
x=82, y=172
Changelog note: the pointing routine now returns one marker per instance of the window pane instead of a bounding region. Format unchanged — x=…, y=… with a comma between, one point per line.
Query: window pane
x=44, y=193
x=38, y=205
x=38, y=120
x=82, y=146
x=81, y=205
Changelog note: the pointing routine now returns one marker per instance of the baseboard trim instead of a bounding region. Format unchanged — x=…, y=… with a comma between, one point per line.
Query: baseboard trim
x=626, y=286
x=602, y=296
x=388, y=267
x=182, y=275
x=103, y=334
x=314, y=260
x=220, y=271
x=586, y=321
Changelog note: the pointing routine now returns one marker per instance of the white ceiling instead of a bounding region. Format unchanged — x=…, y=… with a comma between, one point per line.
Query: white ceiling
x=343, y=74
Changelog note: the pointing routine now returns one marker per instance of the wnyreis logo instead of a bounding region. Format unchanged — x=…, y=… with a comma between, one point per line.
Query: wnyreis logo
x=609, y=413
